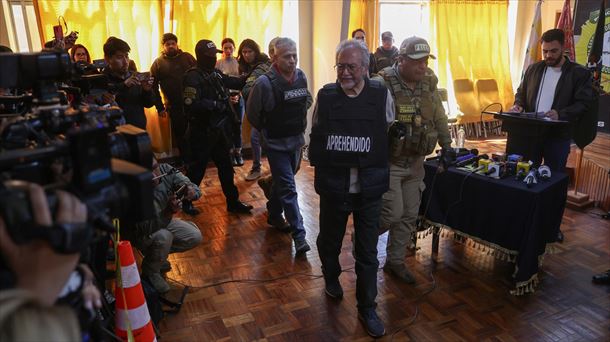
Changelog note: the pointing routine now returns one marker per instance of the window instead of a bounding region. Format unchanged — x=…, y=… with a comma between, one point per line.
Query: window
x=404, y=19
x=21, y=25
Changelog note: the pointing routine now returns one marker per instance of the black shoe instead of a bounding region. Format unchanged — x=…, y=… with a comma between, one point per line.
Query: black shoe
x=238, y=159
x=400, y=271
x=560, y=236
x=239, y=207
x=602, y=278
x=187, y=207
x=301, y=246
x=280, y=224
x=333, y=289
x=372, y=323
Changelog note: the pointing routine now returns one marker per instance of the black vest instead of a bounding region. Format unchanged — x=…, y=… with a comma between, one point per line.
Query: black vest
x=350, y=133
x=289, y=116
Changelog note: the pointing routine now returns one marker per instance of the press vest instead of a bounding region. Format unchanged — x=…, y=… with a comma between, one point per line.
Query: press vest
x=416, y=111
x=350, y=133
x=288, y=117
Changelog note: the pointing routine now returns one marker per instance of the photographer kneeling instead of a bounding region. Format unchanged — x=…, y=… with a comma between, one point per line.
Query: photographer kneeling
x=158, y=237
x=28, y=313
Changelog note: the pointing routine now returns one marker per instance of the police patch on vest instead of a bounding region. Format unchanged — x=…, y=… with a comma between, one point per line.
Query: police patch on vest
x=344, y=143
x=407, y=109
x=294, y=93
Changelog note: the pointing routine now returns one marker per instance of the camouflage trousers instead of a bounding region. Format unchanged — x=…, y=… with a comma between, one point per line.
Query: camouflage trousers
x=401, y=207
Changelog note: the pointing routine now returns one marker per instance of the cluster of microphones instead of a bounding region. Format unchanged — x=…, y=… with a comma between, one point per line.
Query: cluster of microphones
x=498, y=166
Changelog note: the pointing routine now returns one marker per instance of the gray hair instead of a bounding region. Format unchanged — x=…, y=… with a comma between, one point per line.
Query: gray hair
x=355, y=44
x=283, y=42
x=271, y=48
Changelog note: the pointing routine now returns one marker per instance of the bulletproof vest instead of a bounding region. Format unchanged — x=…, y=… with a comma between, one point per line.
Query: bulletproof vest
x=211, y=87
x=350, y=133
x=415, y=110
x=288, y=117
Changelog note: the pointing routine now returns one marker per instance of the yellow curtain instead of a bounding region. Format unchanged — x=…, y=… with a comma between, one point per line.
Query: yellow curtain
x=193, y=20
x=471, y=39
x=364, y=14
x=141, y=23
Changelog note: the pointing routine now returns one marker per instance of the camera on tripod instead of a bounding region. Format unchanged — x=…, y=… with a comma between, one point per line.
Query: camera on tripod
x=84, y=151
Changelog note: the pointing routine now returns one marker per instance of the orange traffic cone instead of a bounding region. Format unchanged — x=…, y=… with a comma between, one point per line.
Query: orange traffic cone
x=131, y=309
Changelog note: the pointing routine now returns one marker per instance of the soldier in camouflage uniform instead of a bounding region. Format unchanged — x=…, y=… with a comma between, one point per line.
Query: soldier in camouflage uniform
x=420, y=123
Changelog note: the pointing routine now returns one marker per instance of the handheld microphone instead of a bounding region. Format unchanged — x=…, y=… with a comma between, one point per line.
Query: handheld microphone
x=495, y=169
x=544, y=172
x=465, y=160
x=531, y=179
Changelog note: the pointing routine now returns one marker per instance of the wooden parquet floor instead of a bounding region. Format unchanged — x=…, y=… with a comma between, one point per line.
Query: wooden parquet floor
x=247, y=284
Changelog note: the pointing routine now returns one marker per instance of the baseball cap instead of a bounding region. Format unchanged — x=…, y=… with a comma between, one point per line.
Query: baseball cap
x=415, y=48
x=387, y=35
x=206, y=47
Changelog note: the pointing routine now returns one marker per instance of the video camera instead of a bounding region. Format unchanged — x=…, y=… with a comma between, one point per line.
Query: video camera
x=86, y=152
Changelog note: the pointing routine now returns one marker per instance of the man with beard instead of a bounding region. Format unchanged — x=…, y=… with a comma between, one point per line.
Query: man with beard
x=206, y=102
x=558, y=89
x=132, y=92
x=349, y=149
x=168, y=70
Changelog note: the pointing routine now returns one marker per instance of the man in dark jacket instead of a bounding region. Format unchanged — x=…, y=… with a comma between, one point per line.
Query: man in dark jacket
x=168, y=70
x=206, y=103
x=558, y=89
x=132, y=90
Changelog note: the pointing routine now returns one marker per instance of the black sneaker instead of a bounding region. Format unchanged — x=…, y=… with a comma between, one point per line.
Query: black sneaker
x=187, y=207
x=372, y=323
x=239, y=207
x=301, y=246
x=333, y=289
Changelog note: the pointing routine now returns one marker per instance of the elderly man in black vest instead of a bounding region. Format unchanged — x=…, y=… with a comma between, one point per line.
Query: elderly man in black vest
x=349, y=149
x=277, y=107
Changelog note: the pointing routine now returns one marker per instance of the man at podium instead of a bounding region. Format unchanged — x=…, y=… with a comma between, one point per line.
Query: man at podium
x=557, y=89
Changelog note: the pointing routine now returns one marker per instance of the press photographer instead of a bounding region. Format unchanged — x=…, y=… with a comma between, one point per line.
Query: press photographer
x=82, y=152
x=163, y=234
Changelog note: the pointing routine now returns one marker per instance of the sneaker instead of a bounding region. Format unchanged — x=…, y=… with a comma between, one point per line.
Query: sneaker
x=280, y=224
x=301, y=246
x=239, y=207
x=372, y=323
x=333, y=289
x=254, y=174
x=188, y=208
x=165, y=267
x=158, y=282
x=266, y=184
x=238, y=159
x=232, y=157
x=400, y=271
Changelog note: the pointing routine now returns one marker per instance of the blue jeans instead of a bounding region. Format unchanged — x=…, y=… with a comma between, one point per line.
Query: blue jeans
x=255, y=142
x=284, y=192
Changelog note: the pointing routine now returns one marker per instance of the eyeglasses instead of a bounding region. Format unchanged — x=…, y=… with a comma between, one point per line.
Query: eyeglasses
x=340, y=67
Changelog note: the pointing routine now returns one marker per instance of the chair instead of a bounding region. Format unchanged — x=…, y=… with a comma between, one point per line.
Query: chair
x=487, y=92
x=469, y=106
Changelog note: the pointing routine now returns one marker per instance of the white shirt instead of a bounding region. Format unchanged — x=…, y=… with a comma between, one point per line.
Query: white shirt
x=546, y=90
